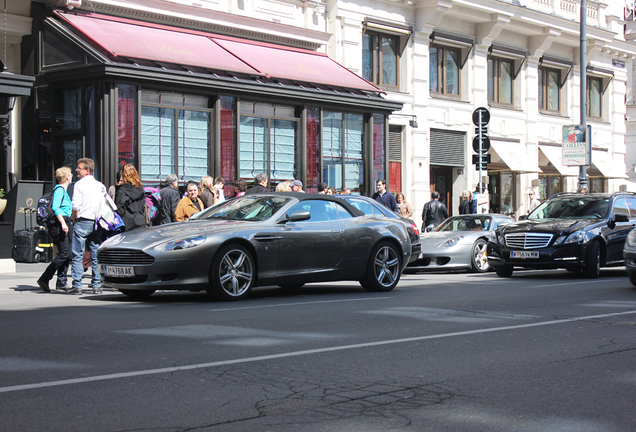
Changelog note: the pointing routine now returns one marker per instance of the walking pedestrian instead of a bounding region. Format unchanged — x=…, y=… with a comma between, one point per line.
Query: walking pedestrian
x=205, y=191
x=170, y=197
x=88, y=193
x=130, y=199
x=219, y=183
x=403, y=206
x=384, y=197
x=60, y=231
x=240, y=187
x=261, y=185
x=189, y=204
x=434, y=212
x=466, y=206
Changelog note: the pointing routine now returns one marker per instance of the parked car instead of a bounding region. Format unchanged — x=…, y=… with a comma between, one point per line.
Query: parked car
x=578, y=232
x=629, y=253
x=285, y=239
x=458, y=243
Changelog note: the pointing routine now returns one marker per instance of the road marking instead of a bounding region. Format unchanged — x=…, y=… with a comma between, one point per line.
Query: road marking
x=299, y=303
x=299, y=353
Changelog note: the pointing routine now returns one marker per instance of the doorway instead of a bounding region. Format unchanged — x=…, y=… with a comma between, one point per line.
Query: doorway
x=442, y=182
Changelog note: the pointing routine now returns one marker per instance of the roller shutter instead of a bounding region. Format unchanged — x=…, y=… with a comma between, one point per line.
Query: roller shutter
x=447, y=148
x=395, y=143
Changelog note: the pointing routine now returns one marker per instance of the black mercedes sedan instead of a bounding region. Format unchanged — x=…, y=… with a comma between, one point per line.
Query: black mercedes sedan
x=577, y=232
x=285, y=239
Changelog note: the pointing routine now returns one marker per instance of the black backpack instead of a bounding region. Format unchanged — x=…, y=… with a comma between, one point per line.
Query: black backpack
x=45, y=216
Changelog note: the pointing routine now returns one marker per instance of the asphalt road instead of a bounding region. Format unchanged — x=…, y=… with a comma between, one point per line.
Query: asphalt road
x=541, y=351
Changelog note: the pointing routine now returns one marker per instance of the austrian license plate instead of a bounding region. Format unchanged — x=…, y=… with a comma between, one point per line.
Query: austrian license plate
x=119, y=271
x=524, y=254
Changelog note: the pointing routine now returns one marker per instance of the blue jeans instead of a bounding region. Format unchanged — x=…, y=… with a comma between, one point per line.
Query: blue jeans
x=83, y=232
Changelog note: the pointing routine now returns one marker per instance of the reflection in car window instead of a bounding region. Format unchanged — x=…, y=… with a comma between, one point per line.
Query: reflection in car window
x=631, y=203
x=249, y=208
x=343, y=213
x=466, y=223
x=364, y=206
x=319, y=210
x=579, y=207
x=620, y=207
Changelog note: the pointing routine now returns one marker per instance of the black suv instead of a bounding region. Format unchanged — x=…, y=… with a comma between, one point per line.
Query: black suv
x=578, y=232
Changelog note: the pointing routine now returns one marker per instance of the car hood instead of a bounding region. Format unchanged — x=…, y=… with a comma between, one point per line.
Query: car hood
x=143, y=237
x=551, y=226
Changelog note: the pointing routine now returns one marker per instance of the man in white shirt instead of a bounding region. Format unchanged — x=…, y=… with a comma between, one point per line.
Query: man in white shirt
x=534, y=202
x=87, y=195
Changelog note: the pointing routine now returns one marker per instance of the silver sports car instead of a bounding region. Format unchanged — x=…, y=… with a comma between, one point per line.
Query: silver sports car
x=459, y=243
x=285, y=239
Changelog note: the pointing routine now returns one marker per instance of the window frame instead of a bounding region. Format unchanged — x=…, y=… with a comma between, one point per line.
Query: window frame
x=588, y=96
x=377, y=57
x=441, y=70
x=494, y=81
x=543, y=79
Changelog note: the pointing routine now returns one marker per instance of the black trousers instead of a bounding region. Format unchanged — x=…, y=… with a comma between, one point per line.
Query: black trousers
x=62, y=260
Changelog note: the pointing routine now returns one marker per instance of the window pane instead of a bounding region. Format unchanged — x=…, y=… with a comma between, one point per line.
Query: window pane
x=389, y=61
x=492, y=82
x=354, y=161
x=194, y=142
x=332, y=149
x=228, y=131
x=367, y=57
x=379, y=160
x=555, y=185
x=67, y=109
x=283, y=150
x=433, y=70
x=56, y=52
x=253, y=147
x=553, y=90
x=157, y=143
x=595, y=97
x=542, y=73
x=505, y=78
x=452, y=72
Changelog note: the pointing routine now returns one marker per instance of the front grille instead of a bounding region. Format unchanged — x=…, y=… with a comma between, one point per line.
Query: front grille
x=124, y=257
x=528, y=240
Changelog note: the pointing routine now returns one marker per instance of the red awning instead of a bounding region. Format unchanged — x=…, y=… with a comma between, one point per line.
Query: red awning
x=123, y=37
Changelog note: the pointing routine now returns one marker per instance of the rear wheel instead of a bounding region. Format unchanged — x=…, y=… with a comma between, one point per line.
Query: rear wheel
x=504, y=271
x=478, y=259
x=383, y=271
x=593, y=261
x=232, y=274
x=137, y=294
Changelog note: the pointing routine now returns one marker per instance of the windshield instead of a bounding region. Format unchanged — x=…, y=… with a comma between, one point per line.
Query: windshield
x=572, y=208
x=249, y=208
x=466, y=223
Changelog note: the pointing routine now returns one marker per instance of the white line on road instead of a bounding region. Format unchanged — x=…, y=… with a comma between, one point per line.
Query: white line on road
x=299, y=353
x=299, y=303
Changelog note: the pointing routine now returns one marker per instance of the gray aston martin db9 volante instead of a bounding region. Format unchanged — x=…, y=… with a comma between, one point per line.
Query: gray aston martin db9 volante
x=285, y=239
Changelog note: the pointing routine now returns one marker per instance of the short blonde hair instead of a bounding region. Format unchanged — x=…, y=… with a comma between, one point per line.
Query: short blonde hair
x=62, y=173
x=466, y=194
x=284, y=186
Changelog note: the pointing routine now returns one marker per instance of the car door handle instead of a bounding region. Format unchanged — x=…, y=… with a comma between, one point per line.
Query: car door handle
x=266, y=237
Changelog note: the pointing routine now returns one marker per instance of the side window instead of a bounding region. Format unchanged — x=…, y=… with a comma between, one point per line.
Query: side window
x=319, y=210
x=363, y=206
x=620, y=207
x=631, y=203
x=343, y=213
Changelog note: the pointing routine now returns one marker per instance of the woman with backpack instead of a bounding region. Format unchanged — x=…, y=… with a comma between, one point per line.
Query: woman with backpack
x=60, y=231
x=130, y=199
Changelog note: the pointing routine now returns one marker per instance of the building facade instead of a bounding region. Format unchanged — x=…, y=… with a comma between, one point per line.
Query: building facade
x=116, y=81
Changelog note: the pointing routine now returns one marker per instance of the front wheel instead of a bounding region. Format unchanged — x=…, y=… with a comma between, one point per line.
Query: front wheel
x=593, y=261
x=478, y=258
x=383, y=269
x=504, y=271
x=232, y=274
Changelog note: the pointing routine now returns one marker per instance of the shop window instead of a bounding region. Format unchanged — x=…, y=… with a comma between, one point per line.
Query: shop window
x=596, y=184
x=549, y=185
x=501, y=188
x=594, y=91
x=445, y=70
x=68, y=110
x=228, y=134
x=174, y=140
x=549, y=89
x=500, y=81
x=379, y=150
x=313, y=149
x=380, y=59
x=127, y=124
x=268, y=143
x=343, y=150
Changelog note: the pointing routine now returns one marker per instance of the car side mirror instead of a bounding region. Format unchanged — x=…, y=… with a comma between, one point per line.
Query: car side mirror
x=296, y=217
x=621, y=218
x=523, y=217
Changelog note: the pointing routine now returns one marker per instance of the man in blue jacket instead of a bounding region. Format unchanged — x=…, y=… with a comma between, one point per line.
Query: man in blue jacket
x=384, y=197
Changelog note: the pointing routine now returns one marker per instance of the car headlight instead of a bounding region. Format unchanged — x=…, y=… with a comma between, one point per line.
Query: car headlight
x=577, y=237
x=185, y=243
x=500, y=239
x=451, y=241
x=493, y=237
x=631, y=238
x=559, y=240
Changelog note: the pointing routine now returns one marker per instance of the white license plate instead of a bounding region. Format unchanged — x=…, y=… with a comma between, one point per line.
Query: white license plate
x=119, y=271
x=524, y=254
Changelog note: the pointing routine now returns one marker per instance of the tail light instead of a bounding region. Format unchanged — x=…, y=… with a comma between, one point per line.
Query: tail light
x=415, y=229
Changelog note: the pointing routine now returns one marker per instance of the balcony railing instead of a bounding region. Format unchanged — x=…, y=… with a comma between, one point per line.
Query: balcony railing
x=569, y=9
